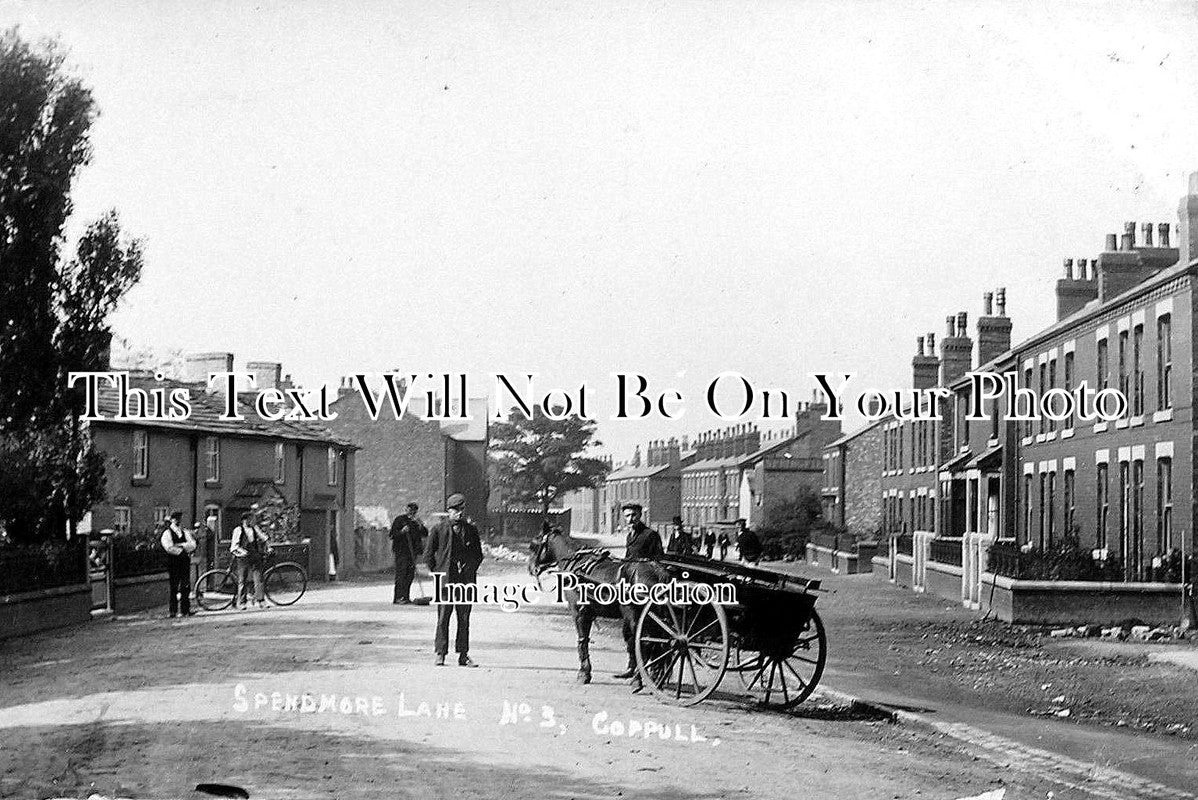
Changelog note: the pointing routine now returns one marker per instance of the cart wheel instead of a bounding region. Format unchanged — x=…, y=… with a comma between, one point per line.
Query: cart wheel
x=787, y=676
x=682, y=651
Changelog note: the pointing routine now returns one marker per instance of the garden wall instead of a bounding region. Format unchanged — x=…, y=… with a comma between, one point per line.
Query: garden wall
x=44, y=609
x=1080, y=602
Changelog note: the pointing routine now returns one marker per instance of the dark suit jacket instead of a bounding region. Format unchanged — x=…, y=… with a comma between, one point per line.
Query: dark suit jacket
x=438, y=554
x=407, y=538
x=643, y=542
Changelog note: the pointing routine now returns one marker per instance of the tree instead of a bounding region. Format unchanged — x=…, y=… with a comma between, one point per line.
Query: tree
x=538, y=460
x=52, y=314
x=789, y=523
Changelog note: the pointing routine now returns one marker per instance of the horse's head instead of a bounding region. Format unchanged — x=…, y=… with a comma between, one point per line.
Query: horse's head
x=541, y=556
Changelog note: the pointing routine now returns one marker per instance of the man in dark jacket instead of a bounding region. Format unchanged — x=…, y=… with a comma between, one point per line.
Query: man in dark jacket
x=407, y=539
x=642, y=541
x=747, y=543
x=454, y=549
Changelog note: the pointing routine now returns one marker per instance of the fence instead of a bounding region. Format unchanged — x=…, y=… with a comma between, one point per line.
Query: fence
x=131, y=561
x=945, y=551
x=525, y=524
x=27, y=568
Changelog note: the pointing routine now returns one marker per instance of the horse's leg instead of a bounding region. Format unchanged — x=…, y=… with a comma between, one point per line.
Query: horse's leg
x=628, y=614
x=582, y=626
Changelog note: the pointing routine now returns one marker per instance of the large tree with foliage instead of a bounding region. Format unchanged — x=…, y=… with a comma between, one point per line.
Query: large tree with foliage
x=53, y=310
x=538, y=460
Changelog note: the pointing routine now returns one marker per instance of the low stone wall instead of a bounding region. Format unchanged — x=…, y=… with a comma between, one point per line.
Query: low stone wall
x=903, y=570
x=943, y=580
x=881, y=567
x=44, y=609
x=1080, y=602
x=141, y=592
x=841, y=561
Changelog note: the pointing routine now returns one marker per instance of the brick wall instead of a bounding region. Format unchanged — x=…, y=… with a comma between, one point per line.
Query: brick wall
x=863, y=482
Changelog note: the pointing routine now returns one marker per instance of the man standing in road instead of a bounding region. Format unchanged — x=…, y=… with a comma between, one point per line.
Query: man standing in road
x=455, y=550
x=407, y=539
x=179, y=545
x=642, y=542
x=747, y=543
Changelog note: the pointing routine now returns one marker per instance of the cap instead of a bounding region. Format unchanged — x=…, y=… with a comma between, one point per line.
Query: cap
x=176, y=515
x=632, y=506
x=455, y=501
x=413, y=505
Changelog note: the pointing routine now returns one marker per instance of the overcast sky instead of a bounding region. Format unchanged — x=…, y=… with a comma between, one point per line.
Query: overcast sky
x=675, y=189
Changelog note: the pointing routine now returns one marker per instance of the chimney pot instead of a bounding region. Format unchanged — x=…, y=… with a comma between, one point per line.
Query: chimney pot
x=919, y=346
x=1163, y=234
x=1146, y=231
x=962, y=323
x=988, y=303
x=1069, y=269
x=931, y=343
x=1001, y=299
x=1112, y=243
x=1081, y=269
x=950, y=323
x=1129, y=236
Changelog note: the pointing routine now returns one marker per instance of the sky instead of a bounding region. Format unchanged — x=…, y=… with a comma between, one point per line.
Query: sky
x=675, y=189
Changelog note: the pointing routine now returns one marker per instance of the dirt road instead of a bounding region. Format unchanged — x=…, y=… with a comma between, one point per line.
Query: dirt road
x=337, y=696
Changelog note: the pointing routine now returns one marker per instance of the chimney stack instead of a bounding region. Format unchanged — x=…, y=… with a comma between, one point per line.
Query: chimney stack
x=1112, y=243
x=1163, y=234
x=925, y=367
x=956, y=350
x=198, y=366
x=1187, y=224
x=1146, y=233
x=267, y=374
x=994, y=332
x=1073, y=292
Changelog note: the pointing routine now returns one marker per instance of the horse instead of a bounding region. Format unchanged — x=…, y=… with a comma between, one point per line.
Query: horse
x=556, y=550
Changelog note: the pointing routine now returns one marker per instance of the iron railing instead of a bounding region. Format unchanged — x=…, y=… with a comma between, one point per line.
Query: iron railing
x=945, y=551
x=28, y=568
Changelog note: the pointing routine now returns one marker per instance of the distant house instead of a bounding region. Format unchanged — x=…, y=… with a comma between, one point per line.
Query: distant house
x=213, y=469
x=411, y=459
x=655, y=485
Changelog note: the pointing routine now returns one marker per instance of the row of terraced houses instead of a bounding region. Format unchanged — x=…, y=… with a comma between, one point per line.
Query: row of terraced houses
x=1044, y=521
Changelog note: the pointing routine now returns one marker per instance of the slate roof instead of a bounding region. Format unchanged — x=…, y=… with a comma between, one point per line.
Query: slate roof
x=206, y=410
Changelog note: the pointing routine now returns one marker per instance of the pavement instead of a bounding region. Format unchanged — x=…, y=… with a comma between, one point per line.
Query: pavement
x=337, y=696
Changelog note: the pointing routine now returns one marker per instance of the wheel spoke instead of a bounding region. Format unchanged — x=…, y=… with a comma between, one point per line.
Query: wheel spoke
x=656, y=640
x=694, y=677
x=770, y=686
x=782, y=680
x=662, y=623
x=678, y=690
x=699, y=632
x=658, y=658
x=802, y=683
x=798, y=657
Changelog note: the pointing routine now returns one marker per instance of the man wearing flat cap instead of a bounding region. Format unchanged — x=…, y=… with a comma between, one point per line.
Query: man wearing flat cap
x=455, y=549
x=407, y=539
x=643, y=541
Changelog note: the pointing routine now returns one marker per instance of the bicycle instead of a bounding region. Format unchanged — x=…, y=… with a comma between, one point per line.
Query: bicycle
x=284, y=584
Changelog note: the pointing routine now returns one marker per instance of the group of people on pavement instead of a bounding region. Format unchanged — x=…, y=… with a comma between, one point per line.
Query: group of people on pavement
x=684, y=542
x=249, y=547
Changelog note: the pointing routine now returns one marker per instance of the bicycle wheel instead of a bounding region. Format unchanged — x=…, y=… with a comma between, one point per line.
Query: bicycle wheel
x=216, y=589
x=285, y=583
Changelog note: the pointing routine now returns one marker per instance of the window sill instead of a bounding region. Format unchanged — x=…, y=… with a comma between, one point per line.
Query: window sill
x=1136, y=421
x=1121, y=423
x=1163, y=416
x=212, y=484
x=144, y=481
x=1050, y=436
x=1040, y=438
x=1101, y=427
x=1067, y=433
x=1025, y=441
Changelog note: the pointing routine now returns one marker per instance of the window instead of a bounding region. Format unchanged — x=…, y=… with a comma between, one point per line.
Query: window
x=1043, y=506
x=141, y=454
x=122, y=518
x=1052, y=382
x=212, y=453
x=899, y=439
x=1027, y=426
x=280, y=463
x=1124, y=377
x=1164, y=505
x=1102, y=370
x=1052, y=508
x=1124, y=506
x=1069, y=383
x=1137, y=406
x=963, y=404
x=1070, y=501
x=1028, y=505
x=1043, y=389
x=161, y=514
x=993, y=419
x=1164, y=362
x=1137, y=506
x=1104, y=505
